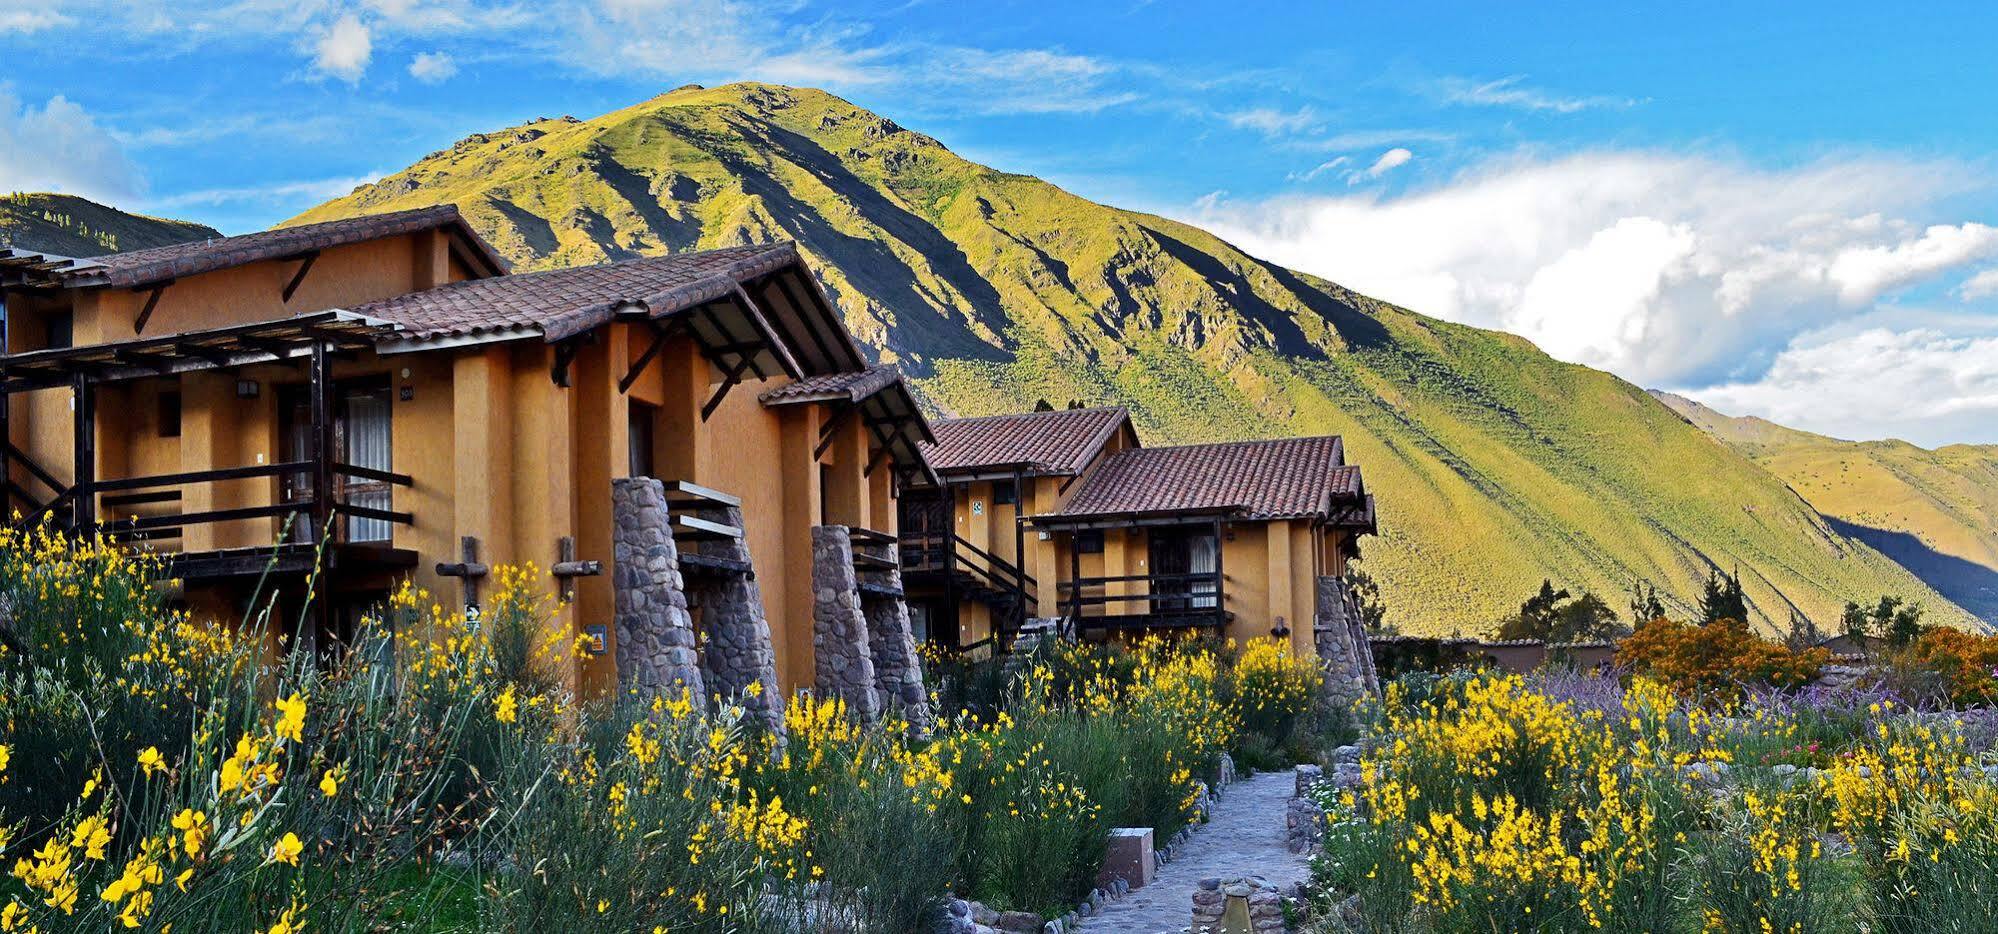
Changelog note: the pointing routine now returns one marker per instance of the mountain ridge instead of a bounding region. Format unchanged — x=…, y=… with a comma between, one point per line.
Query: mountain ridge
x=1933, y=510
x=68, y=225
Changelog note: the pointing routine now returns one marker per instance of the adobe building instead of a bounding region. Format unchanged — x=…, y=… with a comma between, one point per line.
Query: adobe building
x=666, y=437
x=1064, y=514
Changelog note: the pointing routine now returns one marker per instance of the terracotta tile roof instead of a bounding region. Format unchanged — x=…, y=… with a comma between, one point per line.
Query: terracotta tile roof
x=559, y=302
x=851, y=387
x=1058, y=442
x=1278, y=479
x=144, y=267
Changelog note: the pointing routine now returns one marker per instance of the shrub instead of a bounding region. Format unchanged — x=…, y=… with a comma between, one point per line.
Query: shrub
x=1950, y=666
x=1720, y=657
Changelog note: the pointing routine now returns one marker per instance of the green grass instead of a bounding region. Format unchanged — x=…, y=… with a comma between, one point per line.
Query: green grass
x=1495, y=465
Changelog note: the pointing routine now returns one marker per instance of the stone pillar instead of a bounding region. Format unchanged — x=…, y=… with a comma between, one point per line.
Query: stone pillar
x=898, y=673
x=1338, y=652
x=843, y=660
x=739, y=651
x=655, y=634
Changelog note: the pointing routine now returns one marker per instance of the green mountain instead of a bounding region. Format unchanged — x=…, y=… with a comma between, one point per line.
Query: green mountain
x=1495, y=465
x=1935, y=512
x=67, y=225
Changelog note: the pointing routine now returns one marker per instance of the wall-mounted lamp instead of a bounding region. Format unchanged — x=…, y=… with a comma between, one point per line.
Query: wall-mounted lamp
x=248, y=389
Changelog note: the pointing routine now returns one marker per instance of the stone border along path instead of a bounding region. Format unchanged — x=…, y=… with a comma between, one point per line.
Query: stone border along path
x=1245, y=838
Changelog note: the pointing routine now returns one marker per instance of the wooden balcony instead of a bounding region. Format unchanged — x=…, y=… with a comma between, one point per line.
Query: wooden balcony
x=1142, y=602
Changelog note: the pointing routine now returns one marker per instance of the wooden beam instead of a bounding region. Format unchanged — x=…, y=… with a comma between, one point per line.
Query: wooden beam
x=733, y=377
x=660, y=335
x=783, y=284
x=152, y=302
x=565, y=354
x=298, y=277
x=566, y=568
x=468, y=571
x=830, y=430
x=880, y=454
x=762, y=326
x=745, y=351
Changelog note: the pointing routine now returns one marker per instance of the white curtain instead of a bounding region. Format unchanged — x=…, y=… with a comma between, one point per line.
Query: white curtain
x=368, y=445
x=1203, y=554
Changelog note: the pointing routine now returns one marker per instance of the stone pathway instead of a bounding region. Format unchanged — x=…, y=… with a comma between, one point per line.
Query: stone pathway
x=1245, y=838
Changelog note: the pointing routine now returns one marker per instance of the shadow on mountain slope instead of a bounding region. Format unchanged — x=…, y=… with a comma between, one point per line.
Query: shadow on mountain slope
x=1966, y=583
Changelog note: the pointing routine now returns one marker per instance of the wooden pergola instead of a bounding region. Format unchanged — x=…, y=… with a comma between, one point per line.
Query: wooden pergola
x=314, y=340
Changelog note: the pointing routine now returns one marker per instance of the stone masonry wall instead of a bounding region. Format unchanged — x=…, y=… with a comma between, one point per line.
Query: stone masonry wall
x=739, y=651
x=1333, y=630
x=840, y=650
x=655, y=635
x=898, y=674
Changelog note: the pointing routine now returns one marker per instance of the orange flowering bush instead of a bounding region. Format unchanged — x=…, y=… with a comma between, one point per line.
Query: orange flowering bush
x=1720, y=657
x=1961, y=667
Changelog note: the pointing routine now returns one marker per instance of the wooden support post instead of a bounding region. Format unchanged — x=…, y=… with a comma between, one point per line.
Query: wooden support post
x=468, y=571
x=1220, y=578
x=567, y=568
x=321, y=403
x=1074, y=581
x=84, y=507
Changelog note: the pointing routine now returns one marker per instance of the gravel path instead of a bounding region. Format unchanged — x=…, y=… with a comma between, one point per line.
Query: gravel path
x=1245, y=838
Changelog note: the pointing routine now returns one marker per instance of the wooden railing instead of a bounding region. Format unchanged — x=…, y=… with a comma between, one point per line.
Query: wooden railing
x=1166, y=601
x=951, y=555
x=169, y=488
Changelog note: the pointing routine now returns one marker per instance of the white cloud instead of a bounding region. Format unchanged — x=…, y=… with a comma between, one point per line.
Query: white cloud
x=1389, y=161
x=432, y=67
x=344, y=49
x=1920, y=385
x=31, y=20
x=60, y=147
x=1319, y=169
x=1272, y=122
x=1982, y=285
x=1513, y=92
x=1022, y=81
x=1665, y=269
x=1863, y=272
x=706, y=40
x=280, y=193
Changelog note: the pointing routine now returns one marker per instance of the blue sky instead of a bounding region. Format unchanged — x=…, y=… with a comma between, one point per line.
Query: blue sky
x=1791, y=215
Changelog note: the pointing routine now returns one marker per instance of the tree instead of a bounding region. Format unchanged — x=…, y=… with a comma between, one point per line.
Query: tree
x=1892, y=618
x=1644, y=603
x=1367, y=596
x=1723, y=599
x=1553, y=616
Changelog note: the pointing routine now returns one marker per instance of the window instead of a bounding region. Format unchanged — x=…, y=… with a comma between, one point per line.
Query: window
x=1089, y=542
x=61, y=330
x=169, y=413
x=1002, y=493
x=641, y=418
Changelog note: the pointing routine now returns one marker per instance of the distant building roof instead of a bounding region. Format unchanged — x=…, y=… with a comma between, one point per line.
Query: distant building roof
x=164, y=263
x=1057, y=442
x=1283, y=478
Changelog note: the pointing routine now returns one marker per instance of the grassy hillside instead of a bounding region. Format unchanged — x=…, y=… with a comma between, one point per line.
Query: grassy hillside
x=1935, y=512
x=1495, y=465
x=70, y=226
